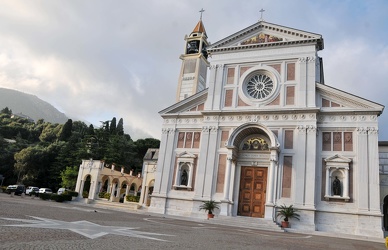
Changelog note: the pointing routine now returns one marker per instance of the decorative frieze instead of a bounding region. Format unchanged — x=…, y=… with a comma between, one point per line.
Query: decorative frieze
x=344, y=118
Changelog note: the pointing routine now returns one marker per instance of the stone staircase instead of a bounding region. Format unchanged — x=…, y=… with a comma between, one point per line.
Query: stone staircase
x=239, y=221
x=246, y=222
x=132, y=206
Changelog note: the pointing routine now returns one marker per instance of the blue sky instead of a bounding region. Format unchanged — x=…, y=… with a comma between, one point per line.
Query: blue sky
x=94, y=60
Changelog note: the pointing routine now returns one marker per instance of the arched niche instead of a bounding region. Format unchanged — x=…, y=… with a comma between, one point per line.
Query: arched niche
x=337, y=178
x=184, y=171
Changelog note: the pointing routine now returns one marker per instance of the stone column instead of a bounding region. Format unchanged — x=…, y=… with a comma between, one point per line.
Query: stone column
x=227, y=178
x=112, y=189
x=269, y=198
x=81, y=189
x=92, y=190
x=346, y=183
x=328, y=183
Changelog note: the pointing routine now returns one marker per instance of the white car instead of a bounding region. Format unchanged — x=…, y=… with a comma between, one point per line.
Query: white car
x=31, y=189
x=45, y=191
x=61, y=191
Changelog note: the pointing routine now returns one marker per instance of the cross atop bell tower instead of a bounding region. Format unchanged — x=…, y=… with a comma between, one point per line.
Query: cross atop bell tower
x=192, y=78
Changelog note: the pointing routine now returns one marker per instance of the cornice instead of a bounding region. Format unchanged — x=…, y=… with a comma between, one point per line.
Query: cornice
x=264, y=45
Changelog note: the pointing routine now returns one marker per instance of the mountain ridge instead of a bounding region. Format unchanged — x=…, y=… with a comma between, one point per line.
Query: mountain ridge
x=30, y=105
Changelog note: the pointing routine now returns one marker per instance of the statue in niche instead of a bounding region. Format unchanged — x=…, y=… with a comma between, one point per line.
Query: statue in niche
x=336, y=186
x=184, y=178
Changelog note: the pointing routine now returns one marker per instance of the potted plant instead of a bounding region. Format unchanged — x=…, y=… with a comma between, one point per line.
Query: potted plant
x=209, y=206
x=287, y=212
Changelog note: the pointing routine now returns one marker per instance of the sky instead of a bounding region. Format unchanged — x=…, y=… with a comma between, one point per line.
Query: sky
x=95, y=60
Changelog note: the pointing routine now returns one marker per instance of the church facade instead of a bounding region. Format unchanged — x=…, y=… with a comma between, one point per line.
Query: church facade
x=255, y=126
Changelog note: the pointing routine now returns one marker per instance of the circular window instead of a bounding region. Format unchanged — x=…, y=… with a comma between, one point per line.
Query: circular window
x=259, y=86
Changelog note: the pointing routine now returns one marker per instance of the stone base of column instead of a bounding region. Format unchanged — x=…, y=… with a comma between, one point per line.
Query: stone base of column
x=225, y=208
x=269, y=212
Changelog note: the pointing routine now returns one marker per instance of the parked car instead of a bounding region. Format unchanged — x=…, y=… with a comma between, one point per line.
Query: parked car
x=61, y=191
x=45, y=191
x=31, y=189
x=17, y=189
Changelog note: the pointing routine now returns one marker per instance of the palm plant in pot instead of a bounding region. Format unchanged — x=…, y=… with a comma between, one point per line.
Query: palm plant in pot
x=287, y=212
x=209, y=206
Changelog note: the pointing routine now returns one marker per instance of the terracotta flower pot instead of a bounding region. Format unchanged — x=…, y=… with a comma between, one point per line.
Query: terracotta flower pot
x=285, y=224
x=210, y=216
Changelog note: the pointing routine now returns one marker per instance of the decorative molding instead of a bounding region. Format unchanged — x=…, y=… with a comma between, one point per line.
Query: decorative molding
x=362, y=131
x=373, y=131
x=307, y=59
x=301, y=128
x=311, y=129
x=217, y=66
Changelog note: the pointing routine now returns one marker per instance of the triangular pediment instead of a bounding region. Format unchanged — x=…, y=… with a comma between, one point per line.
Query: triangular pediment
x=338, y=159
x=186, y=155
x=330, y=98
x=190, y=105
x=266, y=34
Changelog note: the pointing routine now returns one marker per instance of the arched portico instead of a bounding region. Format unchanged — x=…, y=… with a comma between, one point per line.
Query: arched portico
x=250, y=181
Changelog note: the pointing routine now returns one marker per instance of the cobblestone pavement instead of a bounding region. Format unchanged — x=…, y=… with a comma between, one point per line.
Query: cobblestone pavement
x=27, y=223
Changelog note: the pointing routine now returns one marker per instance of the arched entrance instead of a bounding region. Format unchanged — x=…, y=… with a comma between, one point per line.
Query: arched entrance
x=253, y=151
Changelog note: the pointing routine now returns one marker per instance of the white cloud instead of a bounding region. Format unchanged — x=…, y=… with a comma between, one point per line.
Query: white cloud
x=98, y=60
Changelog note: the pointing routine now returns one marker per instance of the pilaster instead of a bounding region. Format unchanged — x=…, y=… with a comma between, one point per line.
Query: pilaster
x=300, y=169
x=373, y=162
x=310, y=166
x=201, y=165
x=362, y=170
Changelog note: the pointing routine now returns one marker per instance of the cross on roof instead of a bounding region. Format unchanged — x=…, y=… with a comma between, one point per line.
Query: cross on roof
x=261, y=11
x=202, y=10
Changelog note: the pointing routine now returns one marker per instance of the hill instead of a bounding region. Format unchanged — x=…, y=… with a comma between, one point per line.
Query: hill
x=30, y=105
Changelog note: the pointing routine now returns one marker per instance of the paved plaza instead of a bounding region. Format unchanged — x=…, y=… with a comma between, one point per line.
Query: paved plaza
x=27, y=223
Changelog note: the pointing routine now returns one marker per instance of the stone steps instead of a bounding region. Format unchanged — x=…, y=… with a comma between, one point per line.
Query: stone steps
x=246, y=222
x=116, y=205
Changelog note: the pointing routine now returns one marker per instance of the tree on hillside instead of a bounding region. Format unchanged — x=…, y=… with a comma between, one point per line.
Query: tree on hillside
x=69, y=177
x=66, y=130
x=112, y=127
x=7, y=111
x=120, y=127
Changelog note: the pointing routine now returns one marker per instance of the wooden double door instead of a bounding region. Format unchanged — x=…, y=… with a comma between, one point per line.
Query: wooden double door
x=253, y=185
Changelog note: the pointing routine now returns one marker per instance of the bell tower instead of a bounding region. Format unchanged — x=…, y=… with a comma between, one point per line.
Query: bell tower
x=192, y=78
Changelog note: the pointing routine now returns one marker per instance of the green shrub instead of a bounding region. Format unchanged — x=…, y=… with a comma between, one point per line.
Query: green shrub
x=85, y=194
x=34, y=194
x=132, y=198
x=67, y=197
x=45, y=196
x=107, y=196
x=101, y=194
x=3, y=188
x=71, y=193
